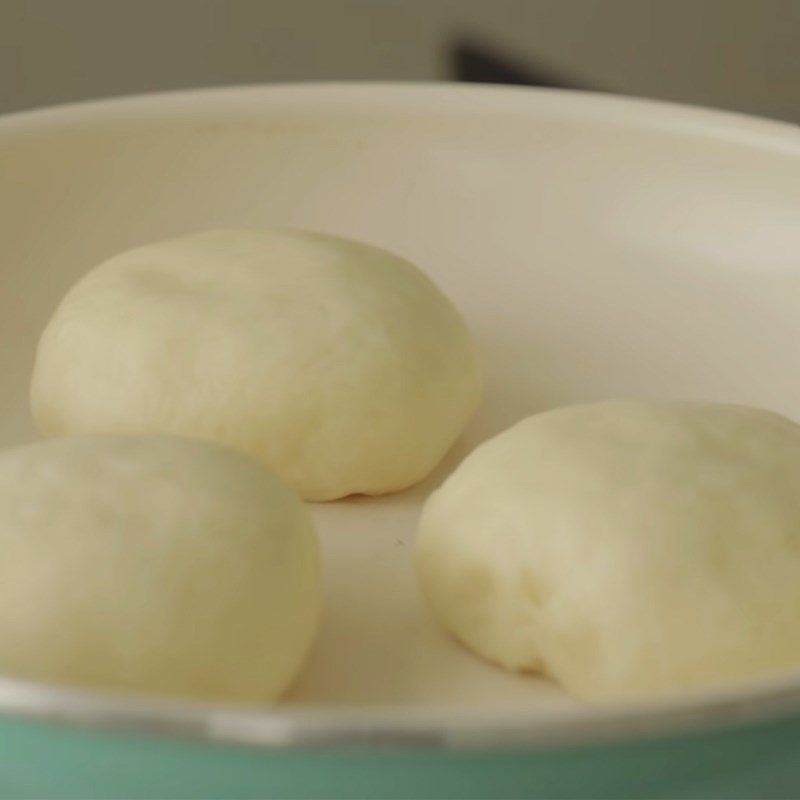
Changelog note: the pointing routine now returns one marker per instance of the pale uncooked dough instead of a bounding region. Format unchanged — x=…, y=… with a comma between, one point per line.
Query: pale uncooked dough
x=625, y=548
x=339, y=365
x=153, y=564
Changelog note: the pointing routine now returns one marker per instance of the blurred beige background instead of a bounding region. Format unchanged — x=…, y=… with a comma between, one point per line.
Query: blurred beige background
x=736, y=54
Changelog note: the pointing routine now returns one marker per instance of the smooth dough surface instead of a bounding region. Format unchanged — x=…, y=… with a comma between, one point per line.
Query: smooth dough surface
x=625, y=548
x=153, y=564
x=339, y=365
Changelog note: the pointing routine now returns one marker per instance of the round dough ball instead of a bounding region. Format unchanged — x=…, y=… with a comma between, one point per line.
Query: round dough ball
x=339, y=365
x=153, y=564
x=624, y=548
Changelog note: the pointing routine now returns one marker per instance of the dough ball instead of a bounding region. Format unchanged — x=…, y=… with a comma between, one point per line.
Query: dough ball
x=625, y=548
x=339, y=365
x=153, y=564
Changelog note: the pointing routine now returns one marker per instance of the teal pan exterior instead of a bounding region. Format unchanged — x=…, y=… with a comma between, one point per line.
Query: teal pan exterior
x=40, y=760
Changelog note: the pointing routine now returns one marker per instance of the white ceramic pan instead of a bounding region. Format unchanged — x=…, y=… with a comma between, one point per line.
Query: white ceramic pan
x=599, y=247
